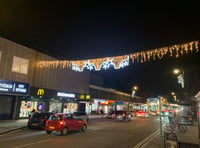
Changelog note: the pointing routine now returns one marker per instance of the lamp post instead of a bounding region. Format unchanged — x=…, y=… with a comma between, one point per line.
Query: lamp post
x=134, y=89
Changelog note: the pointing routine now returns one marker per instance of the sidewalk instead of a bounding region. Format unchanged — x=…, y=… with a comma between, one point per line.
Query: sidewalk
x=12, y=125
x=185, y=140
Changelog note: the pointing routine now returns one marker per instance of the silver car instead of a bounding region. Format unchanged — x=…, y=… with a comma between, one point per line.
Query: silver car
x=83, y=115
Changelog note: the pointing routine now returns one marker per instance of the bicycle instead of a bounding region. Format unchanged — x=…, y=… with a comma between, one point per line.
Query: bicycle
x=181, y=127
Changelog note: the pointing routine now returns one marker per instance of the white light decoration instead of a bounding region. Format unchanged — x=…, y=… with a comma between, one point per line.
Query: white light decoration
x=89, y=66
x=122, y=61
x=105, y=65
x=75, y=67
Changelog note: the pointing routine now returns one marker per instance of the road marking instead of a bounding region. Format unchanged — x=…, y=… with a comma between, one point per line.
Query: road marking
x=28, y=144
x=147, y=140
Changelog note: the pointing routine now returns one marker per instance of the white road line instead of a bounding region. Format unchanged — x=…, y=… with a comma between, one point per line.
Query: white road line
x=148, y=139
x=28, y=144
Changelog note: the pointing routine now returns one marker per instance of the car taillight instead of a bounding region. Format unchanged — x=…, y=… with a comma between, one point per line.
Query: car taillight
x=123, y=115
x=61, y=122
x=47, y=122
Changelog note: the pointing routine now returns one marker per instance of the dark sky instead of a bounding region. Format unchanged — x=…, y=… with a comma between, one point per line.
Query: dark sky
x=85, y=30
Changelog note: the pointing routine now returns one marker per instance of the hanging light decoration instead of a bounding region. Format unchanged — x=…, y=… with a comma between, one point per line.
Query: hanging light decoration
x=122, y=61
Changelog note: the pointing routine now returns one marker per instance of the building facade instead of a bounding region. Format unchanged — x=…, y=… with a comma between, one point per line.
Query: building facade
x=24, y=86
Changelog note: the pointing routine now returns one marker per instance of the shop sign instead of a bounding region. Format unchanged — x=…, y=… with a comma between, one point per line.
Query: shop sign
x=87, y=97
x=68, y=95
x=11, y=87
x=82, y=97
x=119, y=103
x=104, y=103
x=40, y=92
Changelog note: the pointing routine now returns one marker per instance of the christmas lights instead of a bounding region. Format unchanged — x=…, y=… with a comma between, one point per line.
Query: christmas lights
x=122, y=61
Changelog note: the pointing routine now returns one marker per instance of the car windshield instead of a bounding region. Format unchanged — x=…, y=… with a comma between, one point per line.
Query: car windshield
x=55, y=117
x=40, y=115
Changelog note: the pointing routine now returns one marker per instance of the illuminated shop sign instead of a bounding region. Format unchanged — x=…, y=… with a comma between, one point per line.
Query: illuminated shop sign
x=87, y=97
x=40, y=92
x=62, y=94
x=11, y=87
x=119, y=103
x=83, y=97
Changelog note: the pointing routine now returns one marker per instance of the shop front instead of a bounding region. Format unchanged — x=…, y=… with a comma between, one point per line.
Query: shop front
x=48, y=100
x=10, y=92
x=85, y=103
x=119, y=105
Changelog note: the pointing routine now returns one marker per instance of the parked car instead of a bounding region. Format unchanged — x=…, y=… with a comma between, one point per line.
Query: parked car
x=38, y=120
x=64, y=123
x=111, y=115
x=122, y=116
x=141, y=113
x=82, y=115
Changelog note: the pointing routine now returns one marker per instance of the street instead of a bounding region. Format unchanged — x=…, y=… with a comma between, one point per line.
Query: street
x=101, y=133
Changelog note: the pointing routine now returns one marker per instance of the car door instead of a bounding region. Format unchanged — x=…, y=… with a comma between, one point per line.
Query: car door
x=78, y=122
x=70, y=122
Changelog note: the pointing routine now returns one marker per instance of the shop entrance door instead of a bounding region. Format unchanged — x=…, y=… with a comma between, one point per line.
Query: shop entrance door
x=81, y=107
x=6, y=106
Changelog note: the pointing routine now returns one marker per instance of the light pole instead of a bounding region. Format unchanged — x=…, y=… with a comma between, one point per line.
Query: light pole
x=134, y=89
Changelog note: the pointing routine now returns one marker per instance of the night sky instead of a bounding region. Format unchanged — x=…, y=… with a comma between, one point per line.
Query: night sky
x=85, y=30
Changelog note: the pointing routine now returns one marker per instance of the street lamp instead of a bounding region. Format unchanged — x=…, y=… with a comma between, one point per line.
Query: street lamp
x=134, y=89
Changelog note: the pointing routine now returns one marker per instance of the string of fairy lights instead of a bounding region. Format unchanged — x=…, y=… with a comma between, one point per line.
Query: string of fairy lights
x=122, y=61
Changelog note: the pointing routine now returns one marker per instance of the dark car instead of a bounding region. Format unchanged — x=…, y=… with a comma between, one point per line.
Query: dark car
x=38, y=120
x=64, y=123
x=122, y=116
x=82, y=115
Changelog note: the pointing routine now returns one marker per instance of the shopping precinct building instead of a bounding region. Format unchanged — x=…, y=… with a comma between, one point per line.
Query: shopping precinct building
x=24, y=86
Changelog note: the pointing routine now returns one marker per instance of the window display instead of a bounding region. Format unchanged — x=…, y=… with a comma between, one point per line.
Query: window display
x=26, y=108
x=55, y=107
x=70, y=107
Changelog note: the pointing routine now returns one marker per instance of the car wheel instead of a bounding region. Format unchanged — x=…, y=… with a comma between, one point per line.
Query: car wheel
x=84, y=128
x=49, y=132
x=64, y=131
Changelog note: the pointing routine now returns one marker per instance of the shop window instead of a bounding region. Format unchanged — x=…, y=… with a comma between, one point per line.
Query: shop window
x=20, y=65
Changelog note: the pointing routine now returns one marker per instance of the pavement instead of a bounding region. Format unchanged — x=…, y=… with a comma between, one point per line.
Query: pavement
x=189, y=139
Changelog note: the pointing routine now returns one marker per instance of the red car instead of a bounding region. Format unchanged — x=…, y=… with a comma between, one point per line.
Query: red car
x=64, y=123
x=141, y=113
